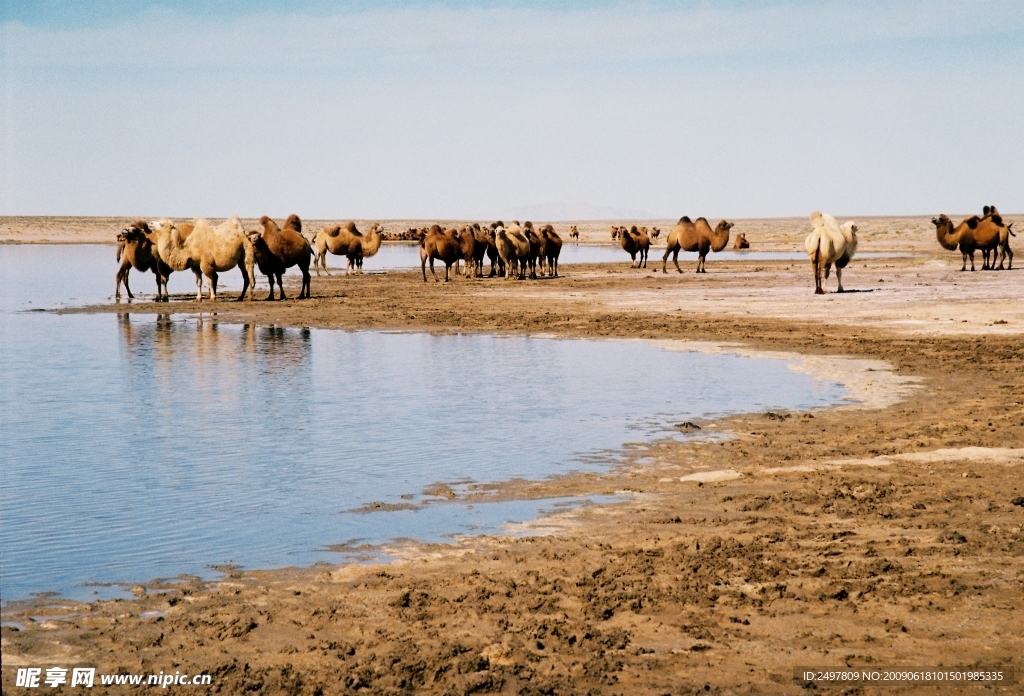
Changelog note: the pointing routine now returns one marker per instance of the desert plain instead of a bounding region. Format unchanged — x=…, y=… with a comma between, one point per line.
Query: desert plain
x=884, y=533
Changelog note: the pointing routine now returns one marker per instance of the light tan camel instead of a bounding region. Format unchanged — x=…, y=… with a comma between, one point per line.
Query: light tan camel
x=741, y=242
x=695, y=236
x=340, y=240
x=552, y=249
x=574, y=234
x=438, y=244
x=635, y=241
x=160, y=228
x=136, y=249
x=208, y=251
x=277, y=250
x=970, y=235
x=365, y=247
x=829, y=243
x=513, y=249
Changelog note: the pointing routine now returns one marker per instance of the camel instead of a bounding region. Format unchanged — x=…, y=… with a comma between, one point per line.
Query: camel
x=741, y=242
x=1005, y=232
x=209, y=250
x=538, y=248
x=513, y=248
x=574, y=234
x=497, y=265
x=438, y=244
x=135, y=249
x=278, y=249
x=366, y=246
x=552, y=249
x=655, y=233
x=695, y=236
x=473, y=244
x=615, y=232
x=829, y=243
x=970, y=235
x=635, y=241
x=340, y=240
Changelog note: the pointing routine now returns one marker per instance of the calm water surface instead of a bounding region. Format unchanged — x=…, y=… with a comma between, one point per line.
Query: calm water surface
x=140, y=446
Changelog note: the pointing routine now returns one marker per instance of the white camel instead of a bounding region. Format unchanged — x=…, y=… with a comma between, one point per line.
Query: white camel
x=209, y=250
x=513, y=248
x=828, y=244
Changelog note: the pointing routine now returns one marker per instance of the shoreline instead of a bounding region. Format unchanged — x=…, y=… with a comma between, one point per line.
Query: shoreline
x=849, y=536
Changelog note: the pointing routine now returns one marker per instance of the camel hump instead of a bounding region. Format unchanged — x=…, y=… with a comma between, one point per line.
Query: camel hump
x=972, y=222
x=997, y=219
x=816, y=219
x=293, y=223
x=686, y=219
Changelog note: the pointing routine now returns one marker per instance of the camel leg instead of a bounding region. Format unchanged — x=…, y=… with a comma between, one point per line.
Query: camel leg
x=305, y=294
x=447, y=268
x=972, y=262
x=270, y=279
x=839, y=278
x=213, y=285
x=817, y=276
x=280, y=287
x=121, y=277
x=433, y=274
x=199, y=284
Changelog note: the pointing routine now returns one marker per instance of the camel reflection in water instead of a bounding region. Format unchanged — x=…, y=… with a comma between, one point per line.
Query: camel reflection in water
x=168, y=353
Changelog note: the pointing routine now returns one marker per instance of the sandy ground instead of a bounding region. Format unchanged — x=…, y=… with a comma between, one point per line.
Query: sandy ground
x=877, y=535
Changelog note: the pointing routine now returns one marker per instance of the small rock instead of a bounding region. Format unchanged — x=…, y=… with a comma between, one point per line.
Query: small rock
x=1018, y=501
x=688, y=425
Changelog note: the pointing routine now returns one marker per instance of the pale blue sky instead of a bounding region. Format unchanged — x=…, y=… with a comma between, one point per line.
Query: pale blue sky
x=436, y=110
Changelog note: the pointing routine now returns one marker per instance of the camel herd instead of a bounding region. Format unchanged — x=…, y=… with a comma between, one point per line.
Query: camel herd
x=514, y=250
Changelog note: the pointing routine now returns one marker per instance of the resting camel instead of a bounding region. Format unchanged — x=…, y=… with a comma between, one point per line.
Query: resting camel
x=635, y=241
x=970, y=235
x=695, y=236
x=574, y=234
x=208, y=251
x=741, y=242
x=277, y=250
x=552, y=249
x=513, y=248
x=829, y=243
x=135, y=249
x=438, y=244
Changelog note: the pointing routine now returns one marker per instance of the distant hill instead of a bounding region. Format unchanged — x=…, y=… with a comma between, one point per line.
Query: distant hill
x=562, y=212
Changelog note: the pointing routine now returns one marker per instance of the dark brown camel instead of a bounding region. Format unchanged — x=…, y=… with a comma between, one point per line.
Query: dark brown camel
x=278, y=249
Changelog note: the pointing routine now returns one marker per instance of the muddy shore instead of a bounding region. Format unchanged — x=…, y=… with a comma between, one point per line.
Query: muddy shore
x=879, y=536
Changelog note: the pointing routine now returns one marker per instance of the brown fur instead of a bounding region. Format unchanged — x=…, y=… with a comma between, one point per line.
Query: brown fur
x=969, y=236
x=438, y=244
x=136, y=249
x=552, y=250
x=210, y=250
x=635, y=241
x=695, y=236
x=574, y=234
x=741, y=242
x=278, y=249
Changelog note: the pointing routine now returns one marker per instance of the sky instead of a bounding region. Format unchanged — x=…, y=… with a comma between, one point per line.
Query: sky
x=440, y=110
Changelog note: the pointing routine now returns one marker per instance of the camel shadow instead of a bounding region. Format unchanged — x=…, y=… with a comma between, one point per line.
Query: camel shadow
x=847, y=292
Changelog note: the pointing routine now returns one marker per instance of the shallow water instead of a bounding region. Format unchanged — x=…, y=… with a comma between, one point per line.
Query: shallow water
x=140, y=446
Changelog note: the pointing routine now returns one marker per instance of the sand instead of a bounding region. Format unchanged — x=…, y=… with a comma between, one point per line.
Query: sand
x=880, y=534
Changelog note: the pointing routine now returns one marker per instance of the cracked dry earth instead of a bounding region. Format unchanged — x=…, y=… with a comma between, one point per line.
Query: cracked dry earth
x=878, y=537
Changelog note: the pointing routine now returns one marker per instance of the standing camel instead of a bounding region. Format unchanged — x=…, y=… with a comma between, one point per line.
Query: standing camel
x=695, y=236
x=552, y=248
x=514, y=249
x=337, y=239
x=1005, y=232
x=136, y=249
x=635, y=241
x=366, y=246
x=437, y=244
x=209, y=250
x=278, y=249
x=970, y=235
x=829, y=243
x=574, y=234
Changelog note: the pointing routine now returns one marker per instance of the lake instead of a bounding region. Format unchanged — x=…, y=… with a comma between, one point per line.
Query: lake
x=144, y=446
